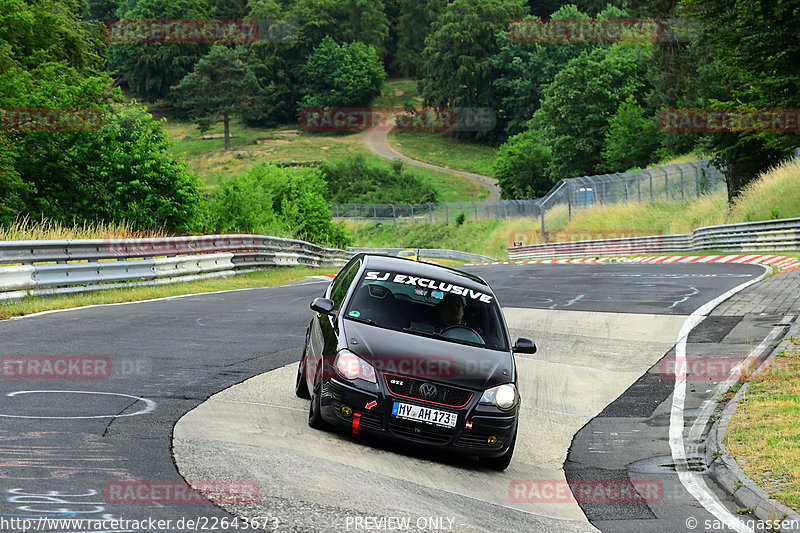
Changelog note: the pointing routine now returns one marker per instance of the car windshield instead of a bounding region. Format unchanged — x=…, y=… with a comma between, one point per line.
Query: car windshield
x=407, y=254
x=430, y=307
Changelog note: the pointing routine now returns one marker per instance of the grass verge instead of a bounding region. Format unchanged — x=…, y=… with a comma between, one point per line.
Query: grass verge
x=487, y=236
x=444, y=151
x=764, y=433
x=263, y=278
x=398, y=93
x=205, y=156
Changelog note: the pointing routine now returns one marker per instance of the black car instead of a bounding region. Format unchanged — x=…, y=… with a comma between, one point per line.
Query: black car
x=414, y=352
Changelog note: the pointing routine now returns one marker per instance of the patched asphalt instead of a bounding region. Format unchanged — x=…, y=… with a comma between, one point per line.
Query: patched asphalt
x=189, y=348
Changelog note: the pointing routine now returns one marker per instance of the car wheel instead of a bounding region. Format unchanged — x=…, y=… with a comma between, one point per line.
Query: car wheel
x=315, y=419
x=300, y=385
x=502, y=462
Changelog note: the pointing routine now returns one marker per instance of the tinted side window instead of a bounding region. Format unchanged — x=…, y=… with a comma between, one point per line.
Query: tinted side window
x=340, y=290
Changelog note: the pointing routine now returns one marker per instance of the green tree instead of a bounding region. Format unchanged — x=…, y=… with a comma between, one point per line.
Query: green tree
x=33, y=34
x=755, y=55
x=150, y=69
x=229, y=9
x=525, y=69
x=521, y=166
x=12, y=188
x=342, y=75
x=343, y=20
x=221, y=86
x=101, y=10
x=457, y=67
x=632, y=139
x=50, y=58
x=583, y=97
x=123, y=171
x=679, y=72
x=280, y=65
x=413, y=26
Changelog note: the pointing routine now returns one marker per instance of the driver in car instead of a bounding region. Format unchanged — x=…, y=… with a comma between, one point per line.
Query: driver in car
x=449, y=312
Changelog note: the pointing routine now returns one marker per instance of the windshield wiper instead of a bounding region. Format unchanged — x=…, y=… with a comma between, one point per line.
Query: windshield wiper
x=363, y=320
x=431, y=334
x=437, y=335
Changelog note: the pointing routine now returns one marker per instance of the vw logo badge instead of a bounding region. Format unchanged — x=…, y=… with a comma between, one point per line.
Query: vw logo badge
x=427, y=390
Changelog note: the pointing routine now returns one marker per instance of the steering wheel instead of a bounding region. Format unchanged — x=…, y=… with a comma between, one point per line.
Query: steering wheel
x=462, y=333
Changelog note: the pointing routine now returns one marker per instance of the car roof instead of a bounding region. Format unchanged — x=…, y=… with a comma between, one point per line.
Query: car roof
x=441, y=272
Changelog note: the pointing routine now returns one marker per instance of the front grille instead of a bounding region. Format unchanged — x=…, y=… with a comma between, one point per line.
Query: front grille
x=371, y=421
x=420, y=431
x=445, y=395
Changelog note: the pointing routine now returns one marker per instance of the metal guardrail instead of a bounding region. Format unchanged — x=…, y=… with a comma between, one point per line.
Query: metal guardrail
x=768, y=236
x=622, y=246
x=435, y=253
x=33, y=267
x=773, y=235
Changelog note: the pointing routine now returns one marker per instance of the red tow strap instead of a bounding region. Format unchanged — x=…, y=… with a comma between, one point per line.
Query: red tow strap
x=356, y=420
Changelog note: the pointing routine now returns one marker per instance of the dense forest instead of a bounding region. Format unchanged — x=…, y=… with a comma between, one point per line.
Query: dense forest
x=563, y=109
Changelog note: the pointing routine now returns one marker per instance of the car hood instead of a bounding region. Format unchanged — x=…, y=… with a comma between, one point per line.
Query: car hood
x=410, y=355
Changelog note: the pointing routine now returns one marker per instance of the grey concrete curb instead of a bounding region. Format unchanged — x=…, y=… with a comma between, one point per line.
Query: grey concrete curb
x=727, y=472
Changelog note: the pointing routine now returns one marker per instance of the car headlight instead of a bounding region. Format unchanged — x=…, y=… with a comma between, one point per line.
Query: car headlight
x=502, y=396
x=350, y=366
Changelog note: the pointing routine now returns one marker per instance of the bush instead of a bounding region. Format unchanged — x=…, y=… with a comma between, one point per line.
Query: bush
x=276, y=201
x=632, y=139
x=354, y=180
x=131, y=175
x=124, y=171
x=521, y=167
x=342, y=75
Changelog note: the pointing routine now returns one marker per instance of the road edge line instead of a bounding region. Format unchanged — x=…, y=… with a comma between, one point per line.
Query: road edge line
x=694, y=484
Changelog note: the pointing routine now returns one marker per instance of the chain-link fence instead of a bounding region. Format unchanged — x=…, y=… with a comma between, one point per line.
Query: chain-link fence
x=446, y=211
x=680, y=181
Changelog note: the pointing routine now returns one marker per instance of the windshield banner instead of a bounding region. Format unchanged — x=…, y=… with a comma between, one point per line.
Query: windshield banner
x=426, y=283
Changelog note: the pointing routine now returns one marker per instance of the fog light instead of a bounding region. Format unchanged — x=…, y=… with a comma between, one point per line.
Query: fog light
x=492, y=440
x=347, y=410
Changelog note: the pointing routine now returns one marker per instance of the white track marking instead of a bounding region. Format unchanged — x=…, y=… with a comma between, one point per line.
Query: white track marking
x=693, y=483
x=150, y=405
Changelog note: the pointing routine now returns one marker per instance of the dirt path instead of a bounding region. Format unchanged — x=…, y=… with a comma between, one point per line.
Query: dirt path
x=377, y=140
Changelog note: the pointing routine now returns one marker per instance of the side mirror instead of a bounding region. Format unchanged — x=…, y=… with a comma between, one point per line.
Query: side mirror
x=322, y=305
x=524, y=345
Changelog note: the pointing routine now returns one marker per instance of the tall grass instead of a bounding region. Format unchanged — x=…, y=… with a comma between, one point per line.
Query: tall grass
x=489, y=237
x=658, y=217
x=776, y=194
x=24, y=229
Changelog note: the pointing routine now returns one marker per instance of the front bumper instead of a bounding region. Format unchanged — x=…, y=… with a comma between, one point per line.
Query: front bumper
x=480, y=430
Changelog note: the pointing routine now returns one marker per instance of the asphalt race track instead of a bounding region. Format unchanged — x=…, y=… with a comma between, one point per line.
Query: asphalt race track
x=67, y=444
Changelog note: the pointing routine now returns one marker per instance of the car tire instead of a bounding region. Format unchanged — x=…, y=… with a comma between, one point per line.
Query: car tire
x=300, y=385
x=502, y=462
x=315, y=419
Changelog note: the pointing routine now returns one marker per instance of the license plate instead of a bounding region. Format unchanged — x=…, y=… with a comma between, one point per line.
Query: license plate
x=424, y=414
